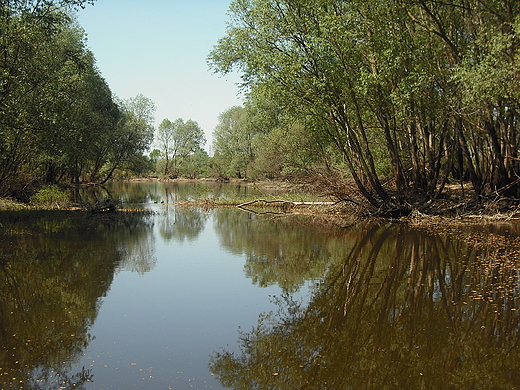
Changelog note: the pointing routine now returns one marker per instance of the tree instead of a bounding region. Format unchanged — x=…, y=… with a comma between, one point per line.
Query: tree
x=154, y=157
x=195, y=165
x=238, y=136
x=58, y=118
x=177, y=141
x=50, y=89
x=165, y=142
x=41, y=8
x=288, y=151
x=233, y=141
x=80, y=116
x=388, y=80
x=292, y=49
x=134, y=132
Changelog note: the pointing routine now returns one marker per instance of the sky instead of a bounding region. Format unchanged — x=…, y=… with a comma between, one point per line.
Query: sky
x=158, y=48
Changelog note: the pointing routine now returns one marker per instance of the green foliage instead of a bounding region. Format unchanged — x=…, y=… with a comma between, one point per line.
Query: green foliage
x=288, y=150
x=232, y=142
x=195, y=165
x=131, y=136
x=483, y=76
x=177, y=142
x=50, y=197
x=164, y=139
x=58, y=118
x=401, y=90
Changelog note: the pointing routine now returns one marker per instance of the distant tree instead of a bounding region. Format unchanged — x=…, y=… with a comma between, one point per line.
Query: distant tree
x=143, y=109
x=155, y=156
x=134, y=132
x=178, y=140
x=195, y=165
x=233, y=141
x=287, y=150
x=164, y=140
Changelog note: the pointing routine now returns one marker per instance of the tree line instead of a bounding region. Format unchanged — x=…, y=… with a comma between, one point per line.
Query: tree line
x=401, y=96
x=60, y=122
x=58, y=117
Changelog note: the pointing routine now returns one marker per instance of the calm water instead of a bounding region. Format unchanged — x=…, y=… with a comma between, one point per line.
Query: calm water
x=185, y=298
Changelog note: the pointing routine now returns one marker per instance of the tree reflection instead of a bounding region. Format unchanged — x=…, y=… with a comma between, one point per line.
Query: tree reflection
x=181, y=223
x=285, y=251
x=54, y=269
x=171, y=192
x=405, y=309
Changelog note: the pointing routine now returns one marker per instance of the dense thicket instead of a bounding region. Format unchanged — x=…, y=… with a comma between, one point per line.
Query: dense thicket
x=58, y=118
x=410, y=94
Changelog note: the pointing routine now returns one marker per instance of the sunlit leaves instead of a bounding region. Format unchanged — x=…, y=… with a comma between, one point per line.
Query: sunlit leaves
x=58, y=118
x=177, y=141
x=233, y=142
x=395, y=83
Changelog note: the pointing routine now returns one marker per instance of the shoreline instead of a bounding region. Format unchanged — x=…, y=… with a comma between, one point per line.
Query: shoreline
x=299, y=198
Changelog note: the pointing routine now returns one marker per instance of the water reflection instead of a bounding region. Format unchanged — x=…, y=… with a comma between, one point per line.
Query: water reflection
x=163, y=192
x=404, y=309
x=282, y=251
x=391, y=306
x=54, y=269
x=181, y=223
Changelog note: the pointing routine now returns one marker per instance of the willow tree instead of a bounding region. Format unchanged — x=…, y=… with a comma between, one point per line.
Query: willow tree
x=177, y=141
x=371, y=74
x=78, y=115
x=233, y=139
x=322, y=60
x=47, y=85
x=132, y=135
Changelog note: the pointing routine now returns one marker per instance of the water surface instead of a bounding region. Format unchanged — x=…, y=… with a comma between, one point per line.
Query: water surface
x=185, y=298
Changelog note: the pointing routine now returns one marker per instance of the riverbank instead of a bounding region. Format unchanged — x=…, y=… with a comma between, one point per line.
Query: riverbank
x=457, y=204
x=13, y=205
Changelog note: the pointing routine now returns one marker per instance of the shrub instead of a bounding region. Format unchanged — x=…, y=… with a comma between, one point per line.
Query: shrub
x=50, y=197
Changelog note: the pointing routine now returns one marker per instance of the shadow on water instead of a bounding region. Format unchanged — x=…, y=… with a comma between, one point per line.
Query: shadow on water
x=55, y=267
x=404, y=309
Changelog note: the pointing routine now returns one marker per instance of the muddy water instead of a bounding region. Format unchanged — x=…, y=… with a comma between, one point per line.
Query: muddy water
x=185, y=298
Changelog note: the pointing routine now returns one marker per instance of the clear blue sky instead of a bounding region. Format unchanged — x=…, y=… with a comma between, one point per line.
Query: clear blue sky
x=158, y=48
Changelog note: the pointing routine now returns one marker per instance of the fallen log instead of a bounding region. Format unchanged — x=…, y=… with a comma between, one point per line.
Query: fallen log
x=284, y=202
x=103, y=206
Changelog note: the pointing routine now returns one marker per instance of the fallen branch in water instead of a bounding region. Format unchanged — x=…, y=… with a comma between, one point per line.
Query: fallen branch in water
x=101, y=206
x=284, y=202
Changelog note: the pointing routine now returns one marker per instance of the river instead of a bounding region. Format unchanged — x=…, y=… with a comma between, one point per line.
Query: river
x=170, y=297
